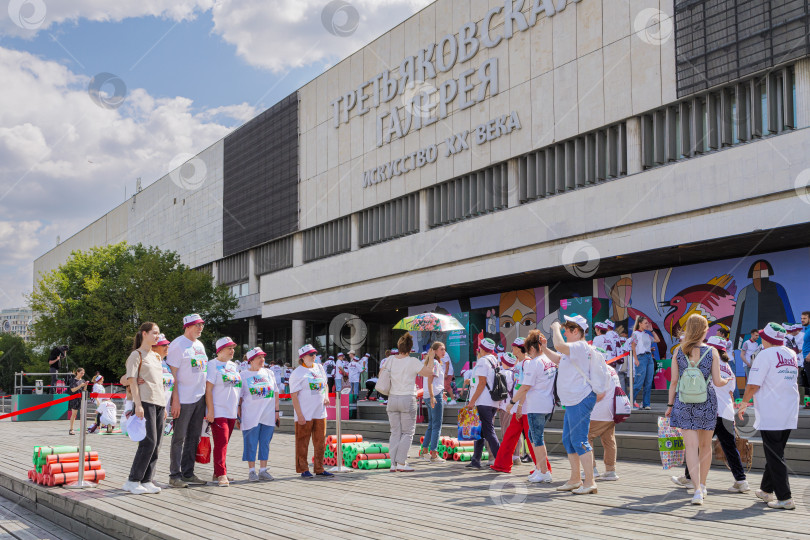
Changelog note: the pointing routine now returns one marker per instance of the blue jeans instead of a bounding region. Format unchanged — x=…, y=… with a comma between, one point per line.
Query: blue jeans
x=260, y=437
x=537, y=424
x=355, y=388
x=338, y=383
x=434, y=428
x=645, y=371
x=576, y=423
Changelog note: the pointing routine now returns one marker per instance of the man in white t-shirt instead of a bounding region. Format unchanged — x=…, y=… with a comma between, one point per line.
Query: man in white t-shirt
x=278, y=373
x=188, y=362
x=329, y=369
x=612, y=336
x=772, y=384
x=749, y=350
x=483, y=378
x=355, y=369
x=340, y=371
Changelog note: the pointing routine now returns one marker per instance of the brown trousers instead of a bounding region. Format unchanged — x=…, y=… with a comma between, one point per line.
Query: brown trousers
x=606, y=431
x=316, y=430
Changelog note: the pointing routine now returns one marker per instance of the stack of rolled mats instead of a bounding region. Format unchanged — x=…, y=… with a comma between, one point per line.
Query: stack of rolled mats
x=57, y=465
x=452, y=449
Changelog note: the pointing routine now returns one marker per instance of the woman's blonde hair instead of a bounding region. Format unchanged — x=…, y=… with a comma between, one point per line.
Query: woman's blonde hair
x=693, y=332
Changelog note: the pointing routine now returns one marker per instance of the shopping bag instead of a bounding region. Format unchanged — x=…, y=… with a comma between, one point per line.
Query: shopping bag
x=204, y=450
x=670, y=444
x=469, y=425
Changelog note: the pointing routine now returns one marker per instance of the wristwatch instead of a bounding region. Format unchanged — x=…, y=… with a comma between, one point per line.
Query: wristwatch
x=512, y=402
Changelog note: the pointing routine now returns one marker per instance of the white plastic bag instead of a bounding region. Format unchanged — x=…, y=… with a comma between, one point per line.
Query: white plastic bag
x=136, y=428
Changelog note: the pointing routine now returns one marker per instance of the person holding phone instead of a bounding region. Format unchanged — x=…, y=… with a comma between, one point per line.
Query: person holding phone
x=78, y=385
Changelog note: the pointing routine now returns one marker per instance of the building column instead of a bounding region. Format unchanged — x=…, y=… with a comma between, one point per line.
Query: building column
x=253, y=281
x=803, y=93
x=215, y=272
x=299, y=332
x=253, y=331
x=298, y=249
x=634, y=145
x=355, y=231
x=423, y=211
x=513, y=198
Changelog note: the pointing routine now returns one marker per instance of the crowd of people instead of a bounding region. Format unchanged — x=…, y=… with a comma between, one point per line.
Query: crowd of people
x=521, y=388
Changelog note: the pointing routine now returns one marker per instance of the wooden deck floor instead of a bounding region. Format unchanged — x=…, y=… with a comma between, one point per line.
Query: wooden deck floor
x=438, y=501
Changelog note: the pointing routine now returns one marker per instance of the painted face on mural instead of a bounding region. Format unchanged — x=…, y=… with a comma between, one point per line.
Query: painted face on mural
x=620, y=293
x=517, y=315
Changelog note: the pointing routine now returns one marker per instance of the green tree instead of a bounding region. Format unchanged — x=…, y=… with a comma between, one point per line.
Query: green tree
x=96, y=300
x=13, y=358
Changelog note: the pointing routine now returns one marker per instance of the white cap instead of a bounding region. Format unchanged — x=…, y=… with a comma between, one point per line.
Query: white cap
x=307, y=349
x=225, y=342
x=254, y=352
x=191, y=320
x=578, y=320
x=610, y=324
x=773, y=333
x=601, y=325
x=717, y=342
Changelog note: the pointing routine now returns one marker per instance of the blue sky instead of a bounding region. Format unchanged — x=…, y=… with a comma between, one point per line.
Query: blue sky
x=193, y=69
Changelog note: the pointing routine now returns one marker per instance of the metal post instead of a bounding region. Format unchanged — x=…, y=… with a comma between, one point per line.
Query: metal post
x=83, y=422
x=339, y=467
x=631, y=370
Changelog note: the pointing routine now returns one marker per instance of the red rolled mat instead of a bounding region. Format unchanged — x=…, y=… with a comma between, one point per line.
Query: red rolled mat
x=44, y=479
x=422, y=439
x=66, y=478
x=445, y=455
x=363, y=457
x=456, y=457
x=69, y=458
x=31, y=474
x=465, y=443
x=354, y=463
x=344, y=438
x=55, y=468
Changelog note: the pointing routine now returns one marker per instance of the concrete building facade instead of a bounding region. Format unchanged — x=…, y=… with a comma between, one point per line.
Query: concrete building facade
x=482, y=149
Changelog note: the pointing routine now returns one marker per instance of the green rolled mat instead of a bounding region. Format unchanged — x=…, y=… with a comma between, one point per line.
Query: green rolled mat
x=463, y=450
x=379, y=464
x=467, y=456
x=363, y=464
x=50, y=450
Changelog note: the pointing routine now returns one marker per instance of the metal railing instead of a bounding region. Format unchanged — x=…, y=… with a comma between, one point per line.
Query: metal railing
x=20, y=379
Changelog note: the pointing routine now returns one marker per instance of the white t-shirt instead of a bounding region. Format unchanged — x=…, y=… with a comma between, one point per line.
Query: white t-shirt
x=725, y=401
x=340, y=365
x=98, y=388
x=775, y=371
x=227, y=387
x=364, y=364
x=467, y=374
x=438, y=380
x=603, y=342
x=354, y=370
x=642, y=342
x=277, y=372
x=509, y=375
x=614, y=338
x=258, y=395
x=403, y=375
x=539, y=374
x=243, y=365
x=190, y=360
x=327, y=365
x=484, y=374
x=750, y=349
x=603, y=410
x=310, y=383
x=571, y=385
x=168, y=383
x=447, y=364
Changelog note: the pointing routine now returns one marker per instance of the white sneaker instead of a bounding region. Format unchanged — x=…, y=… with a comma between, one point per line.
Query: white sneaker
x=698, y=497
x=452, y=402
x=608, y=476
x=150, y=487
x=595, y=474
x=405, y=468
x=783, y=505
x=740, y=487
x=134, y=487
x=539, y=478
x=765, y=496
x=681, y=481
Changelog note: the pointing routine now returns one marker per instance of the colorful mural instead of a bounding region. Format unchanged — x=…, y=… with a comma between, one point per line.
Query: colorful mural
x=735, y=294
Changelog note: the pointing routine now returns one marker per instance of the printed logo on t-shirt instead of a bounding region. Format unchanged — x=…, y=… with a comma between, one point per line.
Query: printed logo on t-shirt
x=168, y=381
x=230, y=376
x=199, y=361
x=260, y=387
x=786, y=361
x=727, y=370
x=316, y=384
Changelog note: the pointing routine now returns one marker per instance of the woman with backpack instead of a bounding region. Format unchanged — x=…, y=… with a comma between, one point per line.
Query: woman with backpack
x=691, y=406
x=578, y=387
x=403, y=370
x=482, y=388
x=725, y=412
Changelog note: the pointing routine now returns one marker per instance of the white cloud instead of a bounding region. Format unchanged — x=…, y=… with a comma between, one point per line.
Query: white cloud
x=24, y=18
x=292, y=33
x=64, y=160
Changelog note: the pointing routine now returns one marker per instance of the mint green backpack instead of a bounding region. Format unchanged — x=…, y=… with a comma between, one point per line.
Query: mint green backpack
x=692, y=387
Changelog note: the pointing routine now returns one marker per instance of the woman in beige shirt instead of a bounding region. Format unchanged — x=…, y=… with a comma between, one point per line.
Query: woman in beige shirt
x=149, y=402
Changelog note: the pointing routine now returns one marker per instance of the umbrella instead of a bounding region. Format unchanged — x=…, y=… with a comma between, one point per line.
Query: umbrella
x=429, y=322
